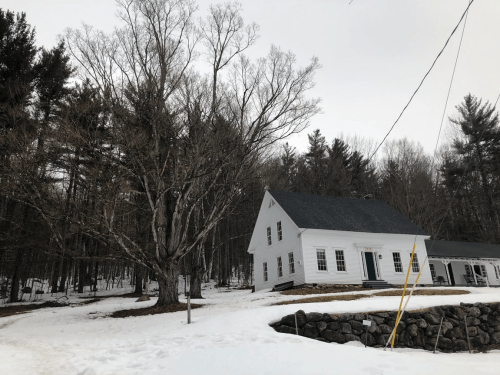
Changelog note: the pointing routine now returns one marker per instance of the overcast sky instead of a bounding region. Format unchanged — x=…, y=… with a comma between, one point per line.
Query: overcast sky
x=373, y=55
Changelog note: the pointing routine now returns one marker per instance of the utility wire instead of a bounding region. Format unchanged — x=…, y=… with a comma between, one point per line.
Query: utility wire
x=423, y=79
x=449, y=89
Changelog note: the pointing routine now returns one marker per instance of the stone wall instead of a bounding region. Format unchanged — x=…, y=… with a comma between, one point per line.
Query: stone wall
x=417, y=329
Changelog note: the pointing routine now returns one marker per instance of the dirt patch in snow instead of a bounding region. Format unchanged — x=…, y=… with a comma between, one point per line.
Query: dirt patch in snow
x=21, y=309
x=153, y=310
x=126, y=295
x=323, y=290
x=422, y=292
x=348, y=297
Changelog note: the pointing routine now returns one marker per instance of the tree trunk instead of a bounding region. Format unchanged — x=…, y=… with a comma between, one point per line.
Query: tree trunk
x=14, y=290
x=64, y=275
x=138, y=279
x=168, y=285
x=55, y=276
x=81, y=276
x=196, y=274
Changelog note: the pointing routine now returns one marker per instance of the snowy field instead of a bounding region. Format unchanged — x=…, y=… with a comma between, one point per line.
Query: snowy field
x=230, y=335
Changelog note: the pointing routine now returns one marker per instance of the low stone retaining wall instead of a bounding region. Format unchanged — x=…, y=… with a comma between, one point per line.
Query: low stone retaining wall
x=417, y=329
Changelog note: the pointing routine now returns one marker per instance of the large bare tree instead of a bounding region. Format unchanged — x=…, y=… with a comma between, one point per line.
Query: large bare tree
x=181, y=139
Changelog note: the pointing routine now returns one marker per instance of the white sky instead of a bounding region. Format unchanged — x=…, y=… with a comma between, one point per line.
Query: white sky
x=373, y=52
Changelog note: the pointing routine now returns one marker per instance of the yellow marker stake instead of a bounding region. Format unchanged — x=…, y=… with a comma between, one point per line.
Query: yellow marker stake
x=407, y=300
x=402, y=297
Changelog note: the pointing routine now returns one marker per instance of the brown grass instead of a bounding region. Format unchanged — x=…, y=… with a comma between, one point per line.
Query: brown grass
x=22, y=309
x=153, y=310
x=422, y=292
x=348, y=297
x=329, y=289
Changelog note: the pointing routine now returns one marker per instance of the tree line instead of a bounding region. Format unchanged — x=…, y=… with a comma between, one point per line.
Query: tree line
x=122, y=158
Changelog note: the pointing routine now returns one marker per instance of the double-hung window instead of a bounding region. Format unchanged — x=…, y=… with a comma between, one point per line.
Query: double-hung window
x=398, y=265
x=264, y=266
x=415, y=267
x=291, y=264
x=321, y=257
x=339, y=257
x=280, y=267
x=269, y=240
x=433, y=270
x=280, y=233
x=497, y=271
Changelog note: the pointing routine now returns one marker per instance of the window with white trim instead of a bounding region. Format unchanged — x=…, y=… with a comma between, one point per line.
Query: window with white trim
x=271, y=203
x=321, y=257
x=339, y=257
x=280, y=233
x=468, y=270
x=415, y=267
x=433, y=270
x=483, y=271
x=497, y=271
x=398, y=265
x=280, y=267
x=269, y=240
x=264, y=266
x=291, y=264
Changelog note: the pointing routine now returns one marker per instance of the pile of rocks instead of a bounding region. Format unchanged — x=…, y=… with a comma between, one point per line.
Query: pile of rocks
x=417, y=329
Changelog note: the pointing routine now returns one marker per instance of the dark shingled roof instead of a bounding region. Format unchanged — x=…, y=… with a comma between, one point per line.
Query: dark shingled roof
x=455, y=249
x=343, y=214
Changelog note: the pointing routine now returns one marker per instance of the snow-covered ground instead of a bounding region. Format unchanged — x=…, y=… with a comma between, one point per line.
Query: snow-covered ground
x=230, y=335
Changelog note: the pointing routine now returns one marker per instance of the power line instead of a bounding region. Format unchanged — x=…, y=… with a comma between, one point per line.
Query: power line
x=423, y=79
x=449, y=88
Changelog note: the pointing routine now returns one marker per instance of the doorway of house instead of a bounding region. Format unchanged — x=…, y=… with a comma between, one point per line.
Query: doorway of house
x=450, y=272
x=370, y=266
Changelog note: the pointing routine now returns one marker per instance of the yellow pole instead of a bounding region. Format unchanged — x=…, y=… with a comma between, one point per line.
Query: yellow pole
x=402, y=297
x=407, y=300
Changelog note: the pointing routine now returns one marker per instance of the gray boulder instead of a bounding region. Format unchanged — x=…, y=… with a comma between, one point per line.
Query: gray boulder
x=406, y=339
x=385, y=329
x=345, y=328
x=310, y=330
x=460, y=345
x=432, y=318
x=351, y=337
x=421, y=323
x=356, y=325
x=367, y=339
x=472, y=331
x=495, y=338
x=286, y=329
x=359, y=317
x=321, y=326
x=333, y=336
x=334, y=326
x=345, y=317
x=445, y=343
x=412, y=330
x=314, y=317
x=474, y=311
x=493, y=320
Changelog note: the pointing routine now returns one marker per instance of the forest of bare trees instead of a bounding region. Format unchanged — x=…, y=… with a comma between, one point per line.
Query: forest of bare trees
x=121, y=160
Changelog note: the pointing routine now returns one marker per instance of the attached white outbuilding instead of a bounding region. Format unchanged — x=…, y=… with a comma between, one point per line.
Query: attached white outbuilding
x=464, y=263
x=308, y=238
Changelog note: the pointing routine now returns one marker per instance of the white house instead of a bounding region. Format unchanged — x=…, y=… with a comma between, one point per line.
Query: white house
x=464, y=263
x=309, y=238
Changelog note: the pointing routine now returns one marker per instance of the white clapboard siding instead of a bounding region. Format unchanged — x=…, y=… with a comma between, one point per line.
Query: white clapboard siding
x=353, y=243
x=269, y=217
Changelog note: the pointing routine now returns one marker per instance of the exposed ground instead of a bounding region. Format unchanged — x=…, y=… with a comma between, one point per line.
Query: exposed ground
x=347, y=297
x=153, y=310
x=423, y=292
x=323, y=289
x=385, y=293
x=21, y=309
